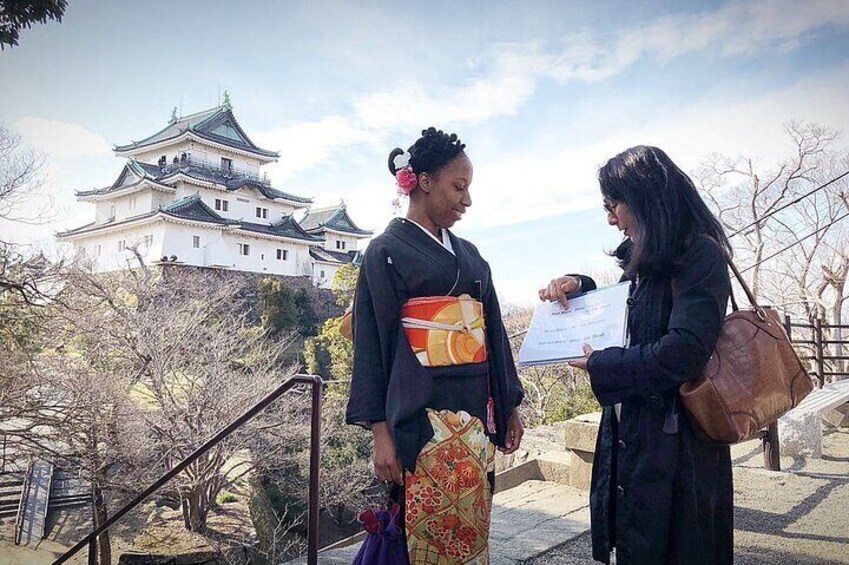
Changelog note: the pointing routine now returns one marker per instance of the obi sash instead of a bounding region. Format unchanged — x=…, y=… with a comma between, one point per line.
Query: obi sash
x=445, y=330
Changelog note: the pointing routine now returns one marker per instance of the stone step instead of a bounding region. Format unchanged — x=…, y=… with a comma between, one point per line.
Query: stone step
x=527, y=520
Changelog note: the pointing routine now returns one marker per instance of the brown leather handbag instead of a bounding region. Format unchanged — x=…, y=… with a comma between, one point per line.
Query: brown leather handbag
x=753, y=377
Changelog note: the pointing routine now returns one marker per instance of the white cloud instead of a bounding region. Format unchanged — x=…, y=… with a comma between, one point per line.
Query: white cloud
x=506, y=75
x=737, y=28
x=521, y=187
x=61, y=140
x=306, y=144
x=505, y=80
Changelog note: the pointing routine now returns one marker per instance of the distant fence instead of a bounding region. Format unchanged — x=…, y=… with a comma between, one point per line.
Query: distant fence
x=826, y=345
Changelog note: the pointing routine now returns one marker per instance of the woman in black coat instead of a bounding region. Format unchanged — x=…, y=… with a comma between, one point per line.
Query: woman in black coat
x=660, y=494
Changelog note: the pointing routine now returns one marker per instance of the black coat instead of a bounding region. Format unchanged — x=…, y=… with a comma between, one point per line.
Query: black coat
x=659, y=494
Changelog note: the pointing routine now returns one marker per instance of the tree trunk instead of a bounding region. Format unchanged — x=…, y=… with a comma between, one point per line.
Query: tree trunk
x=100, y=515
x=195, y=509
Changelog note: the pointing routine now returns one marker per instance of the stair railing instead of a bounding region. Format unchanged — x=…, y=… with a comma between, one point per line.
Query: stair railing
x=315, y=383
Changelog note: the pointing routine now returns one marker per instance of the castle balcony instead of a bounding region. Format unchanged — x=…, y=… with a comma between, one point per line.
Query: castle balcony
x=218, y=168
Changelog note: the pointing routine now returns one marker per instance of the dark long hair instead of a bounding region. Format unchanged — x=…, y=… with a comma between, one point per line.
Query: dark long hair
x=432, y=151
x=666, y=206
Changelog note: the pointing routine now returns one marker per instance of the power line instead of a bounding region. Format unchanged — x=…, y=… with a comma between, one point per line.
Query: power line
x=797, y=242
x=791, y=203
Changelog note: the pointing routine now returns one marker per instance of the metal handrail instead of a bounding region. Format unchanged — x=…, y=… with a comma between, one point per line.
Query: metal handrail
x=19, y=518
x=315, y=429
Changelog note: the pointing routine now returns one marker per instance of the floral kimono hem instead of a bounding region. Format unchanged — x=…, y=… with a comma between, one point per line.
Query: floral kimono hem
x=448, y=498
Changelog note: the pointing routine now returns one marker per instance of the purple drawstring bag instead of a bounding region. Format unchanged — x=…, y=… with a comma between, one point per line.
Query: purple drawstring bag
x=384, y=543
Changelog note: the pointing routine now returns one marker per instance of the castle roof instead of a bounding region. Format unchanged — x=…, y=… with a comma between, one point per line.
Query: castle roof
x=217, y=125
x=327, y=256
x=192, y=208
x=333, y=218
x=287, y=227
x=134, y=172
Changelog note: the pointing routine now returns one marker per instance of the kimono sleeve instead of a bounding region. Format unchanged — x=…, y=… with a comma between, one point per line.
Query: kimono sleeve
x=699, y=299
x=376, y=317
x=502, y=354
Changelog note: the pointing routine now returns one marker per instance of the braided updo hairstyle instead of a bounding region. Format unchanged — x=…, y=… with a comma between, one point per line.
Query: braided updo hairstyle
x=432, y=151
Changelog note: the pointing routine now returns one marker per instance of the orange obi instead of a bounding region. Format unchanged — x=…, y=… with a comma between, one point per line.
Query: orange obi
x=445, y=330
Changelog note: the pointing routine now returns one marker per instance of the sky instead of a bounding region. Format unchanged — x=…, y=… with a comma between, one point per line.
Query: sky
x=542, y=93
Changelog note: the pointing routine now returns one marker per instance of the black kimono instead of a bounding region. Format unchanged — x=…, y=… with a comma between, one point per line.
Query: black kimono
x=388, y=382
x=660, y=494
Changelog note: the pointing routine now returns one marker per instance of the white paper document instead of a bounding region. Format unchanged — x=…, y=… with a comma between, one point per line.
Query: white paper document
x=598, y=317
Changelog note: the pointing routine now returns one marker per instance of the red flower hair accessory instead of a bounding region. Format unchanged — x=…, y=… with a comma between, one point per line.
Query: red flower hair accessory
x=404, y=175
x=406, y=180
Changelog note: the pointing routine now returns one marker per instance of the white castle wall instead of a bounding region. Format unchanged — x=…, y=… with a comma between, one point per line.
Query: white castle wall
x=105, y=253
x=332, y=238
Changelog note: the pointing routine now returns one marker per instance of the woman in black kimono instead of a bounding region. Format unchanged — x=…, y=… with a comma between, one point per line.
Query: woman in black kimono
x=433, y=374
x=659, y=494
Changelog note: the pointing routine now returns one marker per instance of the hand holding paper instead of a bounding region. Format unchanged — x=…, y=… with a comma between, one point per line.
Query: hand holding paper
x=597, y=318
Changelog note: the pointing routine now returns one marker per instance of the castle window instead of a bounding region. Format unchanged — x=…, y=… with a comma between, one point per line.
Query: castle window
x=282, y=254
x=244, y=249
x=261, y=212
x=340, y=244
x=121, y=245
x=97, y=250
x=196, y=241
x=148, y=240
x=226, y=164
x=133, y=202
x=222, y=205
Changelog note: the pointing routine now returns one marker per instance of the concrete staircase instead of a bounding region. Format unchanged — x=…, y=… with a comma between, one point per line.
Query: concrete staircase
x=540, y=503
x=36, y=498
x=527, y=520
x=11, y=485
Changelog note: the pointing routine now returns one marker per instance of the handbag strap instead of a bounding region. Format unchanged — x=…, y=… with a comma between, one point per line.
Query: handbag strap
x=749, y=294
x=748, y=291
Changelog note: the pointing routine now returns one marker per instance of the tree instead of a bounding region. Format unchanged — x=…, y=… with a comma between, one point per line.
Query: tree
x=330, y=354
x=344, y=283
x=306, y=324
x=182, y=351
x=284, y=309
x=28, y=285
x=278, y=310
x=200, y=364
x=796, y=256
x=16, y=15
x=346, y=450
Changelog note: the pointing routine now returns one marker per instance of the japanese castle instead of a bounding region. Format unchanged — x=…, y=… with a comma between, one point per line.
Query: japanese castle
x=193, y=194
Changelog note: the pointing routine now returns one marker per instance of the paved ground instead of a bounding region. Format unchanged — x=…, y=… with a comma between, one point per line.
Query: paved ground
x=796, y=517
x=526, y=521
x=800, y=517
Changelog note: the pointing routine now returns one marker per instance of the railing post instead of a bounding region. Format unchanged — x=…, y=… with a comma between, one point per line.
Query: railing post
x=315, y=461
x=818, y=345
x=92, y=551
x=788, y=327
x=772, y=452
